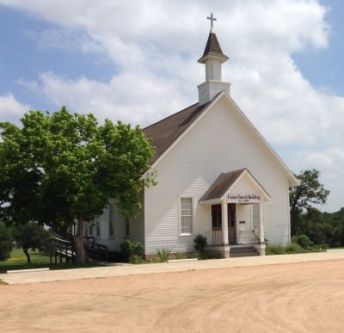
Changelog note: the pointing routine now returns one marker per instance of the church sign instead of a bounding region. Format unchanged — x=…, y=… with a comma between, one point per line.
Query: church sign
x=244, y=198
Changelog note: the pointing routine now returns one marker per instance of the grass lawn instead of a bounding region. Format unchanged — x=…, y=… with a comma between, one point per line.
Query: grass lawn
x=18, y=261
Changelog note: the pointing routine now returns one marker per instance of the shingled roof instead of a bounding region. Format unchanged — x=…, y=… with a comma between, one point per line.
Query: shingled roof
x=212, y=48
x=166, y=131
x=221, y=185
x=225, y=181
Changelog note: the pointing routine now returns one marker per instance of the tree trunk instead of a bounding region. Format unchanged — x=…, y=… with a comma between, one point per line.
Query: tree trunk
x=80, y=253
x=26, y=251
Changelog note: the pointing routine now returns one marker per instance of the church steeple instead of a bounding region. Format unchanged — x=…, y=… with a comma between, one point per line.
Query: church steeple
x=212, y=58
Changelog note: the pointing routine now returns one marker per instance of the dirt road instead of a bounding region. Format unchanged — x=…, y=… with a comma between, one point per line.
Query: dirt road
x=303, y=297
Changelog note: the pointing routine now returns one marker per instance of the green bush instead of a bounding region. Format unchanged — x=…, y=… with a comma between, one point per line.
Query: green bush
x=275, y=249
x=200, y=244
x=289, y=249
x=163, y=254
x=5, y=242
x=303, y=241
x=294, y=248
x=136, y=259
x=183, y=256
x=319, y=248
x=131, y=249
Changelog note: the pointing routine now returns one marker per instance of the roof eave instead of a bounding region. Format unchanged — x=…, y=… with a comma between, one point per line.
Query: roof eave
x=213, y=56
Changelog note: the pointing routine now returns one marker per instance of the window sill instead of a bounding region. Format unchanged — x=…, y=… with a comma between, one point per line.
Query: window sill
x=185, y=235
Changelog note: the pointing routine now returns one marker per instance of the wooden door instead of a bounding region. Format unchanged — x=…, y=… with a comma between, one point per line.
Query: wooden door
x=216, y=221
x=232, y=223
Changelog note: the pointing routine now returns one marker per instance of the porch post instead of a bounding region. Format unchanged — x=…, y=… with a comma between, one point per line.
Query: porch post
x=224, y=209
x=261, y=229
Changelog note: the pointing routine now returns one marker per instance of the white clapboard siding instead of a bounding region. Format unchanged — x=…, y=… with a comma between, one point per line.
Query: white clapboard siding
x=136, y=229
x=112, y=242
x=220, y=142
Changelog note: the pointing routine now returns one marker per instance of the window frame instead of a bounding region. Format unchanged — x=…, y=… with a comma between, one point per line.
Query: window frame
x=181, y=233
x=111, y=220
x=97, y=227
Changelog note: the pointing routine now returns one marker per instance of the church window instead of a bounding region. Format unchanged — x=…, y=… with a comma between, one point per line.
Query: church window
x=186, y=215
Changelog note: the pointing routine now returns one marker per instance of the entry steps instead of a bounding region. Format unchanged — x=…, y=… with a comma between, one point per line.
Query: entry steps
x=243, y=251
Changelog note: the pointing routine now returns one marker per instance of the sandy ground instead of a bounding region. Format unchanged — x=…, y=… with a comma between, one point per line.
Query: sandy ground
x=179, y=266
x=301, y=297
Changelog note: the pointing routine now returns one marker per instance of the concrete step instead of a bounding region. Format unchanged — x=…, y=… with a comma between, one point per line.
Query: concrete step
x=245, y=251
x=243, y=254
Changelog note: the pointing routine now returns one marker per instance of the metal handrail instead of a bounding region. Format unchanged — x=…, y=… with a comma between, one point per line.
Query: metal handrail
x=248, y=237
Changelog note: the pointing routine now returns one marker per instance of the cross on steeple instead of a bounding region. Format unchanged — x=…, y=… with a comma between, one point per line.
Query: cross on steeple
x=212, y=19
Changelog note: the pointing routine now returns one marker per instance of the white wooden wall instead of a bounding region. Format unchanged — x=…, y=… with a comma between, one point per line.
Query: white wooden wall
x=220, y=142
x=136, y=227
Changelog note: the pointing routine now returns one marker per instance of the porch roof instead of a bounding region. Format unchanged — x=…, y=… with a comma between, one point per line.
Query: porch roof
x=224, y=183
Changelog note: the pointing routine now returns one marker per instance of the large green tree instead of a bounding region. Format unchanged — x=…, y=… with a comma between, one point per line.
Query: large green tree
x=60, y=168
x=5, y=242
x=303, y=197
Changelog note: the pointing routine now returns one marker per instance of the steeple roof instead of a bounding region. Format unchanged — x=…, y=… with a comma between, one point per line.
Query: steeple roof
x=212, y=49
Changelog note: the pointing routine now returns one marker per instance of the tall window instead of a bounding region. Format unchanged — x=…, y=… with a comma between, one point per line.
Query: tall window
x=112, y=219
x=90, y=229
x=216, y=216
x=98, y=228
x=186, y=215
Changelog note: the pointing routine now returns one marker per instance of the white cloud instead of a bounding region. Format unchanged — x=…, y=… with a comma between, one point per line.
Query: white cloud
x=154, y=46
x=127, y=97
x=11, y=109
x=60, y=38
x=330, y=161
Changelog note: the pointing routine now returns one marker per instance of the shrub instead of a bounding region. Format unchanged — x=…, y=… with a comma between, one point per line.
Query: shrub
x=302, y=240
x=182, y=256
x=163, y=254
x=294, y=248
x=5, y=242
x=200, y=244
x=319, y=248
x=275, y=249
x=131, y=249
x=136, y=259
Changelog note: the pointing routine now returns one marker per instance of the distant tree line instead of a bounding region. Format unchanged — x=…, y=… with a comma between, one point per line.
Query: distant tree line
x=306, y=217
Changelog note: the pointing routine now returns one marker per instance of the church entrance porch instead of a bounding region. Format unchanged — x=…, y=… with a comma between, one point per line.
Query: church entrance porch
x=216, y=220
x=236, y=202
x=243, y=228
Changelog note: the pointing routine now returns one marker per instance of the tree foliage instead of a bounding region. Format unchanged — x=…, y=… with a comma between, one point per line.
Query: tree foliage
x=5, y=242
x=303, y=197
x=31, y=236
x=323, y=227
x=62, y=167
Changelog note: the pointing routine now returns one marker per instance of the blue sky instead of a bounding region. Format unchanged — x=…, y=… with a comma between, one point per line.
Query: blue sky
x=23, y=58
x=324, y=68
x=137, y=61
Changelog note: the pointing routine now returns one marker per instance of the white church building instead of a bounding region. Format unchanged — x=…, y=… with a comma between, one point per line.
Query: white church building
x=216, y=176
